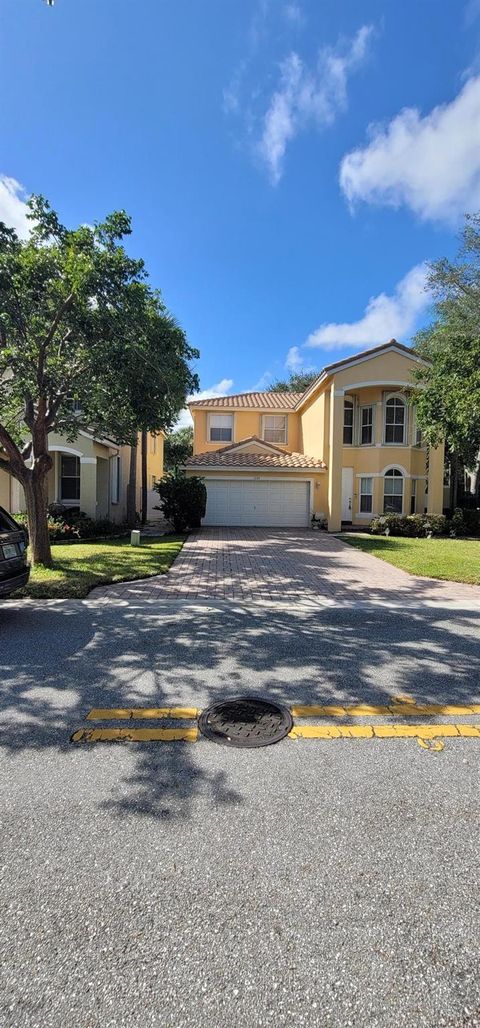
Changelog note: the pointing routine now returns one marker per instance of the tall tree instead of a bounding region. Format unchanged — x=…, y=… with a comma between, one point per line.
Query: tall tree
x=78, y=322
x=297, y=382
x=178, y=447
x=448, y=397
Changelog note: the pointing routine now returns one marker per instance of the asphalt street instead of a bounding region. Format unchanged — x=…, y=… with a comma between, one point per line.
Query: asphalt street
x=314, y=882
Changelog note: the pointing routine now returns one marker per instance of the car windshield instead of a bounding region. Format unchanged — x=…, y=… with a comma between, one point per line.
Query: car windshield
x=6, y=523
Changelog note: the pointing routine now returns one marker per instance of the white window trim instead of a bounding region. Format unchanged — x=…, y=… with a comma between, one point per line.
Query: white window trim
x=69, y=501
x=115, y=472
x=366, y=406
x=364, y=513
x=220, y=414
x=394, y=467
x=263, y=426
x=351, y=400
x=395, y=396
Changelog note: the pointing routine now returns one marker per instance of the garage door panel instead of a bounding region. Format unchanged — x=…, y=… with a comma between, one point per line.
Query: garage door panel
x=257, y=504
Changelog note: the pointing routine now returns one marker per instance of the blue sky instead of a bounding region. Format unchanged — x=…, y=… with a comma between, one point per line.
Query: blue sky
x=289, y=166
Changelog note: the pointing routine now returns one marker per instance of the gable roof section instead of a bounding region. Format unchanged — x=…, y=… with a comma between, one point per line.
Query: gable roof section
x=358, y=358
x=266, y=401
x=251, y=401
x=237, y=455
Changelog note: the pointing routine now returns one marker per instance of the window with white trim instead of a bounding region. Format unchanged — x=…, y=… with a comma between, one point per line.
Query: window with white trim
x=275, y=428
x=220, y=428
x=393, y=492
x=395, y=420
x=366, y=426
x=348, y=423
x=69, y=477
x=413, y=497
x=153, y=444
x=366, y=495
x=115, y=479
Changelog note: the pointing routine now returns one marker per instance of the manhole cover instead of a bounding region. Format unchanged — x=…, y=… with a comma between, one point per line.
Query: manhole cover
x=245, y=721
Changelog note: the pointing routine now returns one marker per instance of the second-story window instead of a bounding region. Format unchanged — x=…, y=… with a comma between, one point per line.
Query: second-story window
x=220, y=428
x=366, y=437
x=395, y=420
x=275, y=428
x=347, y=423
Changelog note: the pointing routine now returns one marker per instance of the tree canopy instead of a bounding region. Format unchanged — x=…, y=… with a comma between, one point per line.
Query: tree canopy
x=178, y=447
x=448, y=400
x=85, y=343
x=296, y=382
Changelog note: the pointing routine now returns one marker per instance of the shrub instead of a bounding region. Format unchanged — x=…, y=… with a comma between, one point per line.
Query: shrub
x=66, y=526
x=183, y=500
x=457, y=523
x=465, y=521
x=413, y=525
x=471, y=520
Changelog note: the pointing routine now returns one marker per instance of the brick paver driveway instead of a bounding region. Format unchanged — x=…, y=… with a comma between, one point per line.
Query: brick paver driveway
x=289, y=565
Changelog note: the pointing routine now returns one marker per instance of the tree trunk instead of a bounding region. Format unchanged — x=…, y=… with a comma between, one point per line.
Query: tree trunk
x=454, y=478
x=144, y=477
x=34, y=487
x=132, y=489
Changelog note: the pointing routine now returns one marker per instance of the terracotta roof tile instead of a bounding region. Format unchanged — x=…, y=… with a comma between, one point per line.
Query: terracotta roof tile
x=236, y=457
x=251, y=401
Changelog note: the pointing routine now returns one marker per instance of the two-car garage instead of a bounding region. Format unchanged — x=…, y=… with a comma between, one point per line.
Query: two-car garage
x=257, y=502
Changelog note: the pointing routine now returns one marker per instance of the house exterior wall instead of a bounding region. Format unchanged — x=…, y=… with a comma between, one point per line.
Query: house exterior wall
x=368, y=383
x=154, y=474
x=318, y=480
x=4, y=490
x=316, y=429
x=245, y=423
x=97, y=468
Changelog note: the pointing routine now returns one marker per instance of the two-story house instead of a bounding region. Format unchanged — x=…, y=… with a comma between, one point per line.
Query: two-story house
x=91, y=474
x=348, y=448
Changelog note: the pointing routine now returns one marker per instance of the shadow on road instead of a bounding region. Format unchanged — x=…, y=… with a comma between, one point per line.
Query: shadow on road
x=59, y=661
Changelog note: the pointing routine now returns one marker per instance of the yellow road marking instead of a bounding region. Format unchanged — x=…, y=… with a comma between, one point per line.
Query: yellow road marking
x=383, y=731
x=141, y=713
x=432, y=745
x=376, y=710
x=135, y=735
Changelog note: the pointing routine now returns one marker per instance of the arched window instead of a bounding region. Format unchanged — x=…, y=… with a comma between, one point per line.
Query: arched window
x=347, y=423
x=393, y=492
x=395, y=420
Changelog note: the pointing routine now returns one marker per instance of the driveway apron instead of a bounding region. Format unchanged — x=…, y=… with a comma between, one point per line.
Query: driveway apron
x=287, y=566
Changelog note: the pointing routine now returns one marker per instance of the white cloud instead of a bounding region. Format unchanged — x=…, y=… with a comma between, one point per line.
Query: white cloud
x=220, y=389
x=294, y=359
x=385, y=317
x=13, y=209
x=471, y=13
x=293, y=13
x=305, y=97
x=430, y=164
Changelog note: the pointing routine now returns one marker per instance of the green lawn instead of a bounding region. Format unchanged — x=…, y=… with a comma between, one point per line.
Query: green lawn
x=78, y=567
x=456, y=560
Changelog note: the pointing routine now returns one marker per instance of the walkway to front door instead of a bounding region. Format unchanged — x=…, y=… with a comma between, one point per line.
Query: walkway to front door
x=290, y=566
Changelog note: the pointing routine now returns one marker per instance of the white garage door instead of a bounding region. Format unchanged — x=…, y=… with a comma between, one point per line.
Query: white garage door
x=272, y=504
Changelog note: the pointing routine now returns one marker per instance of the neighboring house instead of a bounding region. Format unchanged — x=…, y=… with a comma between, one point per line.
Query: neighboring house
x=91, y=475
x=348, y=448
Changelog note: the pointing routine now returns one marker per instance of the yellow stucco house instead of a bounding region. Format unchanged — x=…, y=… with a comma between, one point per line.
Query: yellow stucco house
x=91, y=474
x=347, y=449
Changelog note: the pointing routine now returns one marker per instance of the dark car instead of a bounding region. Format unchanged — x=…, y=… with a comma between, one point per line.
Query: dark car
x=14, y=570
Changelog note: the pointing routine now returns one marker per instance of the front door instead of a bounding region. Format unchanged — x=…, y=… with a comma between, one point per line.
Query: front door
x=347, y=494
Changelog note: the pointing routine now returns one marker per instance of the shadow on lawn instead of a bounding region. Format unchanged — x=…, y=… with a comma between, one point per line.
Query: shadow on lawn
x=60, y=660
